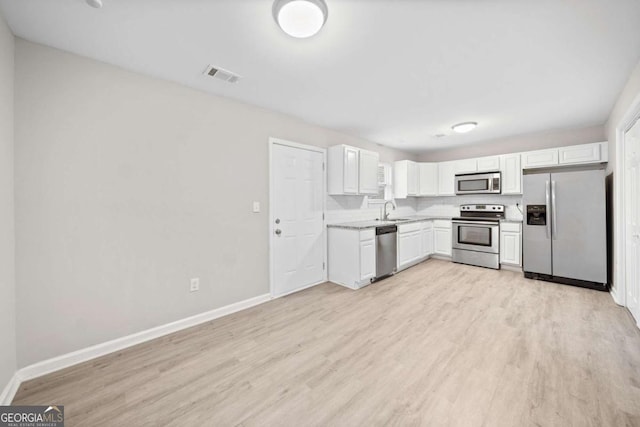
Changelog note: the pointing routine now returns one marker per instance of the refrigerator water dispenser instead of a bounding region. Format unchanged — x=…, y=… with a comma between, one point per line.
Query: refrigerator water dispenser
x=536, y=215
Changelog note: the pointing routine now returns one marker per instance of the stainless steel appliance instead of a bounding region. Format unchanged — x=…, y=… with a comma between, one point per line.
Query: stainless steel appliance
x=476, y=235
x=479, y=183
x=564, y=232
x=386, y=251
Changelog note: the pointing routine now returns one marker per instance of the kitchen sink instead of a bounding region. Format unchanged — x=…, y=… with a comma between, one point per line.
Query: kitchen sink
x=396, y=219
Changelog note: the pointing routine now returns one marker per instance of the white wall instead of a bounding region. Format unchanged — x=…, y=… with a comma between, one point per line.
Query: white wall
x=7, y=282
x=518, y=143
x=127, y=186
x=629, y=94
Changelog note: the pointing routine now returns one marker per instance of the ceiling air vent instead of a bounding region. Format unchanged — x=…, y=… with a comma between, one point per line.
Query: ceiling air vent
x=222, y=74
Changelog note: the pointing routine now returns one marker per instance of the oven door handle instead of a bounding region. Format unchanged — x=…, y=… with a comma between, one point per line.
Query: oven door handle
x=478, y=223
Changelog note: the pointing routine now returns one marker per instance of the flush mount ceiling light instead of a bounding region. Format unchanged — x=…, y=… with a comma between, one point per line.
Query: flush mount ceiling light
x=464, y=127
x=95, y=3
x=300, y=18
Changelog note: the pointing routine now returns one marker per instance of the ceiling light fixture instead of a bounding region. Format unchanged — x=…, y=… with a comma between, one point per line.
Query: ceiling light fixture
x=464, y=127
x=95, y=3
x=300, y=18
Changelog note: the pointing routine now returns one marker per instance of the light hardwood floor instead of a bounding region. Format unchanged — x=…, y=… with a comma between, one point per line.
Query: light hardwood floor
x=439, y=344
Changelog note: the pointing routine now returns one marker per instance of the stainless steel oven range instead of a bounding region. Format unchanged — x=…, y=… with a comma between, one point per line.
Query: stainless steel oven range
x=476, y=235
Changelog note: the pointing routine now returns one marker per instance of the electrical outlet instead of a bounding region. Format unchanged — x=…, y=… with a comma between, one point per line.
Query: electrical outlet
x=195, y=284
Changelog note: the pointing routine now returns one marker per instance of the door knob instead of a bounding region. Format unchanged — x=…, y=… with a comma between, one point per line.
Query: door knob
x=278, y=231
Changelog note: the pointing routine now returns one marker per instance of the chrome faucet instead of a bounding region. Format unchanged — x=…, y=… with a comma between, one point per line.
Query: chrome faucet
x=386, y=215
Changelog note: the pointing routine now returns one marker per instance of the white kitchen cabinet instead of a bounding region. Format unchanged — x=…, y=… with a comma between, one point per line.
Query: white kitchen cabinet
x=409, y=244
x=510, y=244
x=368, y=259
x=428, y=179
x=368, y=172
x=488, y=164
x=511, y=169
x=352, y=256
x=343, y=169
x=585, y=153
x=442, y=237
x=466, y=166
x=427, y=239
x=405, y=179
x=446, y=178
x=540, y=158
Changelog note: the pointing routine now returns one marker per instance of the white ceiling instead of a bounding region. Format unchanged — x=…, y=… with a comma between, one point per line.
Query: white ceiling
x=393, y=71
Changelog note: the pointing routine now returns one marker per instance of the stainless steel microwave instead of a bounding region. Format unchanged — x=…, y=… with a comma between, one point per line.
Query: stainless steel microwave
x=479, y=183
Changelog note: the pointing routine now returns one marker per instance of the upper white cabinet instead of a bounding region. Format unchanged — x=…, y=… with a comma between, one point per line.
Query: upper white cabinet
x=511, y=169
x=446, y=178
x=405, y=179
x=540, y=158
x=587, y=153
x=572, y=155
x=368, y=172
x=488, y=164
x=342, y=169
x=428, y=179
x=466, y=166
x=352, y=170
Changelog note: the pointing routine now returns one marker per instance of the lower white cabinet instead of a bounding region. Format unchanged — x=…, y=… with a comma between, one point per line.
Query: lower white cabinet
x=368, y=259
x=409, y=244
x=352, y=256
x=510, y=244
x=442, y=237
x=427, y=238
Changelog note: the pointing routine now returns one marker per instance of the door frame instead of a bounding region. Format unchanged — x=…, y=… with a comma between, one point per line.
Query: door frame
x=619, y=291
x=271, y=229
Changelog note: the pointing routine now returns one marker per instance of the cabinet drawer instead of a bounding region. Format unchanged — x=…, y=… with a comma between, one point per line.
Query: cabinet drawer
x=427, y=225
x=408, y=228
x=441, y=223
x=367, y=234
x=513, y=227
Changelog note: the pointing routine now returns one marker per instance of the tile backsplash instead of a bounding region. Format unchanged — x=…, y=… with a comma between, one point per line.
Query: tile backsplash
x=358, y=208
x=450, y=206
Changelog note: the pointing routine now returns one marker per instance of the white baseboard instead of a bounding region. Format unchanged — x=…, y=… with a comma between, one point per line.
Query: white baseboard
x=511, y=267
x=10, y=390
x=64, y=361
x=614, y=295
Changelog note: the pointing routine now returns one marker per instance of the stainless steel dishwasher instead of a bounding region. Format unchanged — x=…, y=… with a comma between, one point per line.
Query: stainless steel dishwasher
x=386, y=251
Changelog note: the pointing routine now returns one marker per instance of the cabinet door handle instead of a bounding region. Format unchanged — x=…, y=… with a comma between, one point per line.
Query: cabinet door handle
x=278, y=231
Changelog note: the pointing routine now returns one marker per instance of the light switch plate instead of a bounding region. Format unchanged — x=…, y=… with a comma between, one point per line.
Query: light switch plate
x=195, y=284
x=256, y=207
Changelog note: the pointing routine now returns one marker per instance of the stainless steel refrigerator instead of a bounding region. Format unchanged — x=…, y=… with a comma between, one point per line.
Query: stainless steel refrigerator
x=564, y=227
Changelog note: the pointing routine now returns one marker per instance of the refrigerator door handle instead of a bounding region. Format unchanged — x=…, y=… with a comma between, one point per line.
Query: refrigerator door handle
x=548, y=206
x=553, y=210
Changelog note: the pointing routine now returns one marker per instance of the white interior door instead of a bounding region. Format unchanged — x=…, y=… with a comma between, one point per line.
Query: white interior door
x=297, y=224
x=632, y=219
